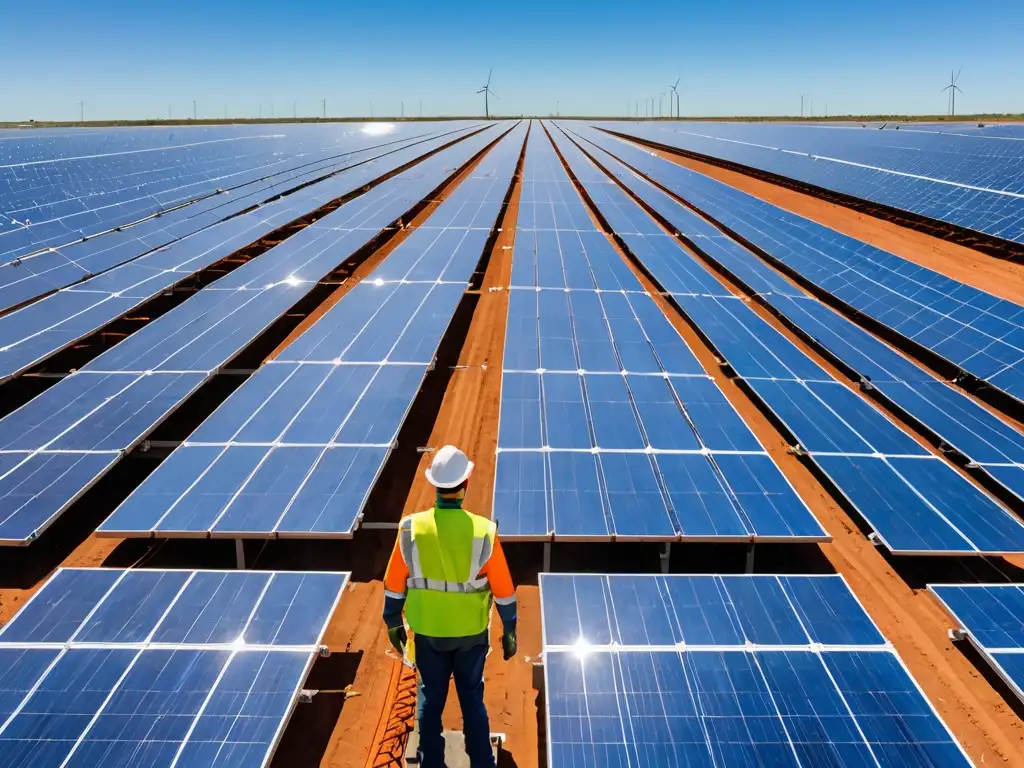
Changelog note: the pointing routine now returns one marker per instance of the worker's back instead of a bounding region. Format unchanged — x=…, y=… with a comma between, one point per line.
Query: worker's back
x=449, y=547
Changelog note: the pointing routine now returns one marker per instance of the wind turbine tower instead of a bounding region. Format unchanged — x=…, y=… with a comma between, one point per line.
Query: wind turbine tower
x=953, y=88
x=486, y=91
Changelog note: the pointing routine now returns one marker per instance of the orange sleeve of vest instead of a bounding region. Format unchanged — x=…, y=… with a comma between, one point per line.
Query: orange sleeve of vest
x=497, y=573
x=397, y=572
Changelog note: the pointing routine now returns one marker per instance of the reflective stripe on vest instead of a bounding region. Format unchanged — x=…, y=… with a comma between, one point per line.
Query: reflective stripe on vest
x=445, y=550
x=476, y=585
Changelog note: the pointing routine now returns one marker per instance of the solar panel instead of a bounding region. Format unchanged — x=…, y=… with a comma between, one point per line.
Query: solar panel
x=296, y=450
x=609, y=426
x=868, y=460
x=146, y=667
x=974, y=330
x=127, y=391
x=991, y=616
x=723, y=670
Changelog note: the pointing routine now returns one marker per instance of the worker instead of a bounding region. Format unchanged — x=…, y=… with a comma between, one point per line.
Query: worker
x=446, y=566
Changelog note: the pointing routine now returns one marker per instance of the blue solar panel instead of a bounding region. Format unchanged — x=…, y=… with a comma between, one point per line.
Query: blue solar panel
x=141, y=667
x=752, y=348
x=693, y=670
x=992, y=618
x=662, y=496
x=596, y=332
x=830, y=418
x=577, y=260
x=923, y=506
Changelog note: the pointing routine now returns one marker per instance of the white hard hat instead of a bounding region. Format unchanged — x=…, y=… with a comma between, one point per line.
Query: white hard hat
x=450, y=468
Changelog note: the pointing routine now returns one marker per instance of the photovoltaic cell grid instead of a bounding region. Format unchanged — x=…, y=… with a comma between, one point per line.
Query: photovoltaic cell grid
x=914, y=501
x=984, y=439
x=148, y=667
x=57, y=445
x=609, y=426
x=295, y=451
x=992, y=618
x=979, y=332
x=35, y=332
x=969, y=178
x=557, y=244
x=727, y=670
x=107, y=225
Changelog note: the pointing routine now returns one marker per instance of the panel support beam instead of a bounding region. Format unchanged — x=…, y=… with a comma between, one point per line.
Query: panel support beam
x=547, y=557
x=240, y=554
x=750, y=559
x=666, y=557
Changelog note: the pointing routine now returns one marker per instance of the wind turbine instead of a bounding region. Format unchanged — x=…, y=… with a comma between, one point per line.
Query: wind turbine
x=953, y=88
x=674, y=92
x=486, y=91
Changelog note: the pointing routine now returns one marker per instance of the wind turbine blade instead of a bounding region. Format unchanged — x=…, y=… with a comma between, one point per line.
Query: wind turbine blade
x=495, y=95
x=489, y=73
x=484, y=89
x=677, y=83
x=958, y=74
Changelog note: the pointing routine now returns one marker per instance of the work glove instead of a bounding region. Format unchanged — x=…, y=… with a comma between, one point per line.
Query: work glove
x=509, y=645
x=398, y=637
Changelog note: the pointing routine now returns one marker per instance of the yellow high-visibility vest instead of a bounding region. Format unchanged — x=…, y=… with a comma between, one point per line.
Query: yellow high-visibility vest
x=445, y=549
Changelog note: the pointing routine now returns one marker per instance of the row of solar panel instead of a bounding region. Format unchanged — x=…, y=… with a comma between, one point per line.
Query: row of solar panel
x=55, y=202
x=560, y=343
x=938, y=510
x=591, y=610
x=32, y=334
x=958, y=177
x=589, y=496
x=727, y=670
x=980, y=333
x=144, y=667
x=955, y=419
x=36, y=274
x=200, y=335
x=296, y=449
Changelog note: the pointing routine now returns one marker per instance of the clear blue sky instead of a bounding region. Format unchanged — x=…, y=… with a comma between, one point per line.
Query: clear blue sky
x=736, y=57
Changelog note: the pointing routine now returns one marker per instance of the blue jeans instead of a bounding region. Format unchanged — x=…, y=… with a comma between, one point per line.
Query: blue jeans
x=436, y=668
